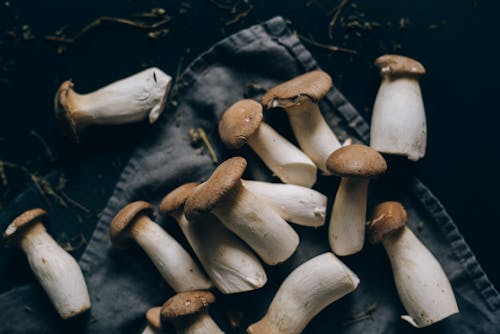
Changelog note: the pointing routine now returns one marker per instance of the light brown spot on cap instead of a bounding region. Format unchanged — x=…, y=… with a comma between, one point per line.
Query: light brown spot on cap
x=207, y=195
x=118, y=230
x=386, y=218
x=153, y=317
x=313, y=85
x=239, y=122
x=396, y=65
x=176, y=199
x=185, y=304
x=356, y=160
x=21, y=224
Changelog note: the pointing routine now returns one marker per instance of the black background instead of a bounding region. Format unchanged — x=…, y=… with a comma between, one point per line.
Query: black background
x=455, y=40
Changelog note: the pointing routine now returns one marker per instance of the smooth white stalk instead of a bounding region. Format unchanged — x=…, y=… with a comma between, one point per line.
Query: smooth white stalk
x=57, y=271
x=259, y=226
x=283, y=158
x=421, y=282
x=229, y=263
x=149, y=330
x=197, y=324
x=346, y=232
x=132, y=99
x=313, y=134
x=398, y=122
x=310, y=288
x=293, y=203
x=170, y=258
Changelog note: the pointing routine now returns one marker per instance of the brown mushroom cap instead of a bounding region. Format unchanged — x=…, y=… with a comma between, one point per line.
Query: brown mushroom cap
x=176, y=198
x=396, y=65
x=207, y=195
x=22, y=222
x=239, y=122
x=356, y=160
x=313, y=85
x=153, y=317
x=186, y=303
x=386, y=218
x=118, y=229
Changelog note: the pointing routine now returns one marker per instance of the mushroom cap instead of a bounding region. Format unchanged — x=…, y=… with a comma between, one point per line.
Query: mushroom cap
x=356, y=160
x=207, y=195
x=186, y=303
x=386, y=218
x=396, y=65
x=63, y=106
x=313, y=85
x=239, y=122
x=153, y=316
x=175, y=199
x=22, y=222
x=118, y=229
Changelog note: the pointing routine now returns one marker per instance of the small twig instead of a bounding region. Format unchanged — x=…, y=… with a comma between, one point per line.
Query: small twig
x=335, y=17
x=175, y=88
x=3, y=176
x=241, y=15
x=332, y=48
x=47, y=189
x=205, y=140
x=69, y=247
x=74, y=203
x=46, y=147
x=366, y=314
x=225, y=6
x=100, y=21
x=31, y=176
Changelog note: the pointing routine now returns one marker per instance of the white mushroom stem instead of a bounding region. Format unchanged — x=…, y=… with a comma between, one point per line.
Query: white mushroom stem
x=57, y=271
x=258, y=225
x=421, y=282
x=150, y=330
x=197, y=324
x=283, y=158
x=170, y=258
x=293, y=203
x=398, y=122
x=310, y=288
x=348, y=219
x=313, y=134
x=229, y=263
x=128, y=100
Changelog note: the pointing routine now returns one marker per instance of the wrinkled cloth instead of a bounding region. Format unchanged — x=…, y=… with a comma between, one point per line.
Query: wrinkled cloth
x=123, y=284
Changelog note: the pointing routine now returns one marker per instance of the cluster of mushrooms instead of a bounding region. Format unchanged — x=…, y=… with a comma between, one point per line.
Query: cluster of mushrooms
x=233, y=224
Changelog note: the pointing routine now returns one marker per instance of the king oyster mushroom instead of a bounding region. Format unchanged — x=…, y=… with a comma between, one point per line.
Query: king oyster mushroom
x=188, y=312
x=242, y=212
x=242, y=124
x=398, y=121
x=132, y=99
x=304, y=293
x=299, y=97
x=56, y=270
x=229, y=263
x=420, y=280
x=356, y=164
x=132, y=223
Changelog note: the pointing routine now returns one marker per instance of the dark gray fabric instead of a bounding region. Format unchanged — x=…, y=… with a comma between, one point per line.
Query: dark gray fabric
x=124, y=284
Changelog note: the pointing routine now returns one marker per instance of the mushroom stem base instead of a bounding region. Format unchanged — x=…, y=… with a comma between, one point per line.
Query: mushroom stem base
x=420, y=280
x=57, y=271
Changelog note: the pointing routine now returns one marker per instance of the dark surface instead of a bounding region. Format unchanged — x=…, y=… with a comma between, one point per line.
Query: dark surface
x=454, y=40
